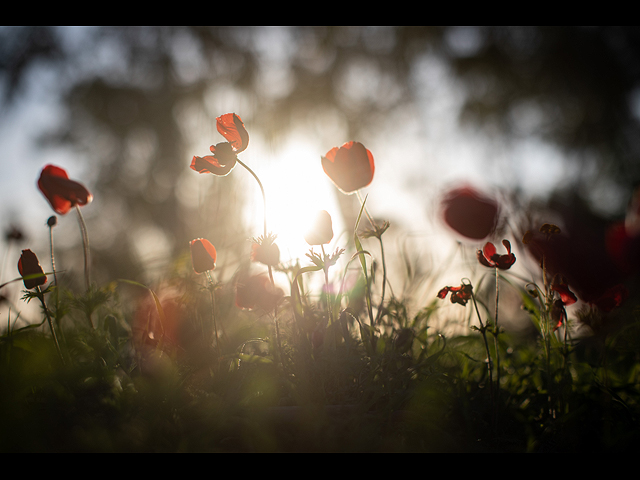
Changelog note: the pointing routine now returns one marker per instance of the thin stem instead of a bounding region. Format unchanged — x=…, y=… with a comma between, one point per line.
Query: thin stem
x=264, y=206
x=326, y=282
x=384, y=263
x=486, y=345
x=497, y=332
x=366, y=212
x=85, y=243
x=53, y=332
x=213, y=310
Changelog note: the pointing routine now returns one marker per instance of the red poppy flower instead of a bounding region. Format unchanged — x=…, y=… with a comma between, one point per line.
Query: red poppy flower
x=321, y=232
x=469, y=212
x=29, y=265
x=63, y=194
x=489, y=258
x=257, y=292
x=558, y=311
x=224, y=156
x=612, y=298
x=566, y=295
x=350, y=167
x=460, y=295
x=203, y=255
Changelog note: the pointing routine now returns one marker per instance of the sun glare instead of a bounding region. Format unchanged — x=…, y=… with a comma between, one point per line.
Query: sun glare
x=296, y=187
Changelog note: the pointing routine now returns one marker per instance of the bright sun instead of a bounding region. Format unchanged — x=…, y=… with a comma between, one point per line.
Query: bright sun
x=296, y=187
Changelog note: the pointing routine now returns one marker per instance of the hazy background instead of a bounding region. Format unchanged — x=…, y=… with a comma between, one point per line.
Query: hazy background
x=530, y=113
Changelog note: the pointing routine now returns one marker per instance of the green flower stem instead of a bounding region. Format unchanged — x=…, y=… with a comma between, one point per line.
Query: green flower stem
x=497, y=332
x=85, y=243
x=53, y=331
x=264, y=206
x=483, y=331
x=384, y=263
x=213, y=309
x=326, y=282
x=264, y=203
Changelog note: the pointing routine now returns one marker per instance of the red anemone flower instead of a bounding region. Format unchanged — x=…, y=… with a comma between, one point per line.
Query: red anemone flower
x=460, y=295
x=29, y=265
x=558, y=310
x=350, y=167
x=612, y=298
x=321, y=231
x=224, y=156
x=469, y=212
x=203, y=255
x=489, y=258
x=63, y=194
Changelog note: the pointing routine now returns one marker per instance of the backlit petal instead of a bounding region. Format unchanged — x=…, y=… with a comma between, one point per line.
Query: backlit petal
x=61, y=192
x=29, y=265
x=350, y=167
x=203, y=255
x=209, y=164
x=231, y=127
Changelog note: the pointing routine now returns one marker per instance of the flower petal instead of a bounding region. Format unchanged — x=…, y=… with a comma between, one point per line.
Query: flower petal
x=62, y=193
x=231, y=127
x=566, y=295
x=29, y=265
x=489, y=250
x=321, y=231
x=203, y=255
x=350, y=167
x=210, y=164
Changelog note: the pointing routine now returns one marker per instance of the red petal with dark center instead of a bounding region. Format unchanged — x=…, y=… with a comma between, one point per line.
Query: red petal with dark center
x=231, y=127
x=210, y=164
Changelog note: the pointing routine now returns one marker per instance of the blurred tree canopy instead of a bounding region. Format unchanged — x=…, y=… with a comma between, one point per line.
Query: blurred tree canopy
x=137, y=99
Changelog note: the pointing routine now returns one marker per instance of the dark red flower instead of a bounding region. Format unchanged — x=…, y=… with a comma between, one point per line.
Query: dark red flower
x=203, y=255
x=321, y=231
x=612, y=298
x=566, y=295
x=29, y=265
x=257, y=292
x=489, y=258
x=469, y=212
x=460, y=295
x=558, y=311
x=63, y=194
x=350, y=167
x=224, y=156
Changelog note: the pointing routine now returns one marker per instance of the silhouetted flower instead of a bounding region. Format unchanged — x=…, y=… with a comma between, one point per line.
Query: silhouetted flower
x=321, y=231
x=350, y=167
x=203, y=255
x=257, y=292
x=469, y=212
x=558, y=311
x=29, y=265
x=489, y=258
x=265, y=251
x=612, y=298
x=224, y=156
x=460, y=295
x=63, y=194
